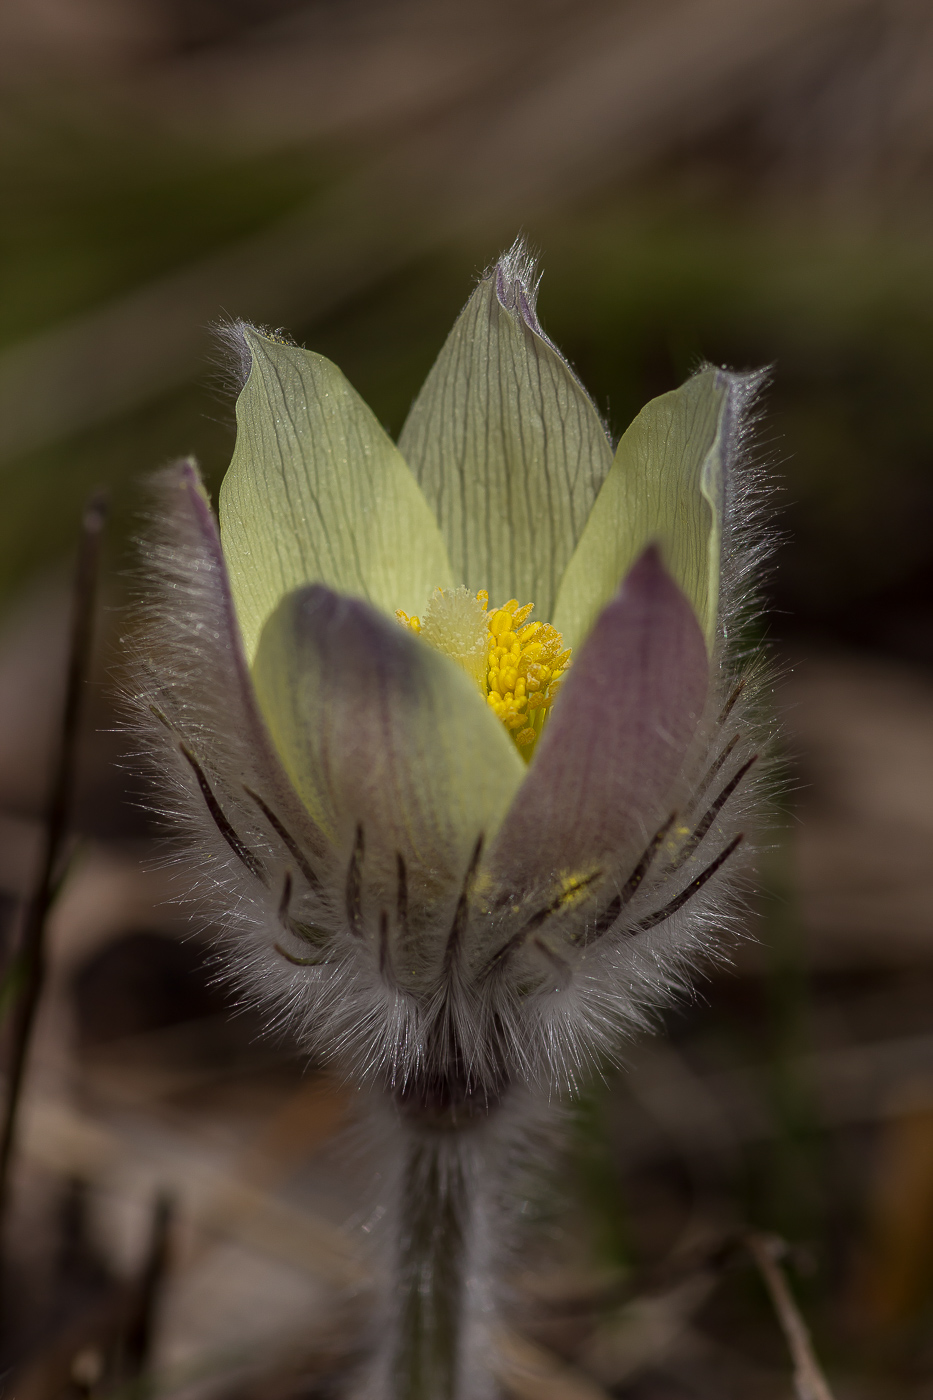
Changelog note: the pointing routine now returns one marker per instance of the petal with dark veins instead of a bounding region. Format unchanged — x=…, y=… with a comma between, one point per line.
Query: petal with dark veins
x=194, y=678
x=384, y=736
x=608, y=762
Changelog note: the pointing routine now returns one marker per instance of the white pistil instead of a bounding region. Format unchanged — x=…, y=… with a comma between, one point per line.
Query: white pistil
x=454, y=623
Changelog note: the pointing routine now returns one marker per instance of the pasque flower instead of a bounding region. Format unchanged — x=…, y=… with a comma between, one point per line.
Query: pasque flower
x=457, y=842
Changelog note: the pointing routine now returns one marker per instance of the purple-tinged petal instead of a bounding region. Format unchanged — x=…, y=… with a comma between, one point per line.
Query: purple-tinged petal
x=391, y=748
x=607, y=765
x=193, y=687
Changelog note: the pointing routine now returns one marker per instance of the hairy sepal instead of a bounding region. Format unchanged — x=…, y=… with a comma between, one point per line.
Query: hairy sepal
x=191, y=697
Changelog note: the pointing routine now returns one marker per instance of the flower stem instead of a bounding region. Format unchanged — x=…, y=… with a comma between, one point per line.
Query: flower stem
x=436, y=1222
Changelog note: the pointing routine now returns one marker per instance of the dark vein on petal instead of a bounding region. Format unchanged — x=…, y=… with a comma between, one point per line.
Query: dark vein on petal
x=535, y=922
x=712, y=771
x=241, y=851
x=693, y=888
x=730, y=703
x=154, y=709
x=286, y=899
x=604, y=922
x=385, y=962
x=644, y=864
x=294, y=850
x=298, y=962
x=308, y=933
x=401, y=897
x=354, y=892
x=462, y=910
x=612, y=911
x=710, y=816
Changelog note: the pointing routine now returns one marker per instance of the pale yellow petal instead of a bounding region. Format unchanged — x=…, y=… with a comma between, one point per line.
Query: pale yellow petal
x=507, y=446
x=317, y=492
x=665, y=487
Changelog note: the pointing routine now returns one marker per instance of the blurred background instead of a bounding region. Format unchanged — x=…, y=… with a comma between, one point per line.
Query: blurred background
x=746, y=183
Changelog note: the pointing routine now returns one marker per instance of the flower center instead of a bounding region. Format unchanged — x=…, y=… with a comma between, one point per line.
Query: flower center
x=517, y=665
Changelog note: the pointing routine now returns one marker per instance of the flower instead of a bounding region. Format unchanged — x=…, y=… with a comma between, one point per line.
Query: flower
x=456, y=844
x=460, y=734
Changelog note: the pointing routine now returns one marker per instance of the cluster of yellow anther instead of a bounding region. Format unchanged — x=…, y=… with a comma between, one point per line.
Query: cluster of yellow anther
x=526, y=663
x=517, y=664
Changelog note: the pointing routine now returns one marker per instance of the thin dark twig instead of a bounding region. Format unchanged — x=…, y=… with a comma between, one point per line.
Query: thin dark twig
x=809, y=1380
x=31, y=954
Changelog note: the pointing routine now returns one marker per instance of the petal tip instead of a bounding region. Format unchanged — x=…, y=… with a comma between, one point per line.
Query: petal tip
x=517, y=281
x=181, y=475
x=188, y=472
x=235, y=355
x=648, y=573
x=649, y=581
x=240, y=342
x=323, y=607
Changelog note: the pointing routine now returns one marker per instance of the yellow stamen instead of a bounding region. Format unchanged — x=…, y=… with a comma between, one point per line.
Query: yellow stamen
x=517, y=665
x=413, y=623
x=525, y=666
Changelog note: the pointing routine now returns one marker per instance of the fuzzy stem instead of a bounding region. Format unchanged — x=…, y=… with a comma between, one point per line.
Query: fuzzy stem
x=436, y=1208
